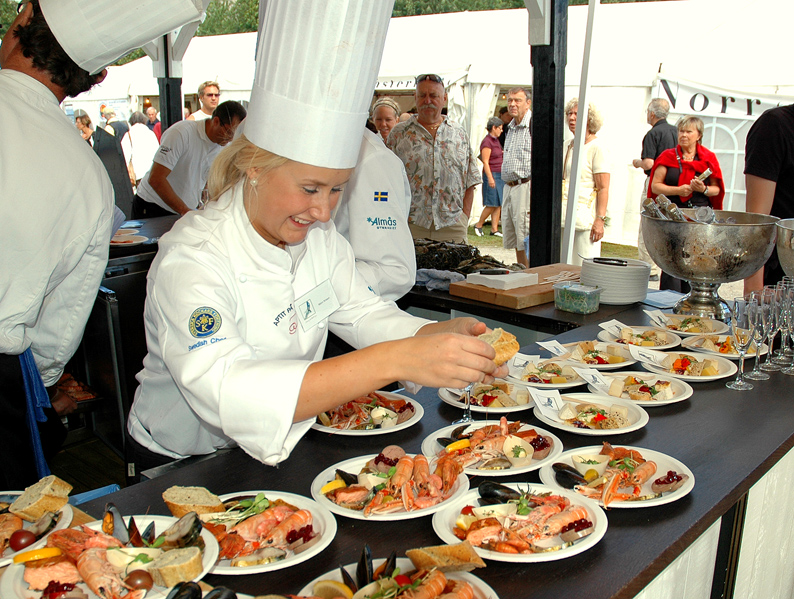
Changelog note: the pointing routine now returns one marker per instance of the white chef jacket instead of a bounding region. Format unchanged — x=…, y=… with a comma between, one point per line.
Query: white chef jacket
x=373, y=216
x=56, y=211
x=139, y=145
x=237, y=376
x=188, y=153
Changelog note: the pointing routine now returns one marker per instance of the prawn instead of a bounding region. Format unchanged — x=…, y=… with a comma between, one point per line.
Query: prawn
x=255, y=527
x=101, y=577
x=458, y=589
x=278, y=536
x=432, y=585
x=402, y=474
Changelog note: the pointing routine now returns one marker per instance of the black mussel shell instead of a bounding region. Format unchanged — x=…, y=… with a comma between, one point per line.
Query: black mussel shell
x=386, y=569
x=221, y=593
x=444, y=441
x=567, y=476
x=45, y=524
x=457, y=434
x=349, y=479
x=185, y=590
x=491, y=501
x=347, y=579
x=135, y=534
x=493, y=492
x=364, y=571
x=113, y=524
x=185, y=532
x=147, y=536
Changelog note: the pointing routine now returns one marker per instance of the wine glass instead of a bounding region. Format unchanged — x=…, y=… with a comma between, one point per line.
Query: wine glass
x=759, y=333
x=770, y=296
x=466, y=418
x=742, y=324
x=790, y=327
x=788, y=283
x=782, y=358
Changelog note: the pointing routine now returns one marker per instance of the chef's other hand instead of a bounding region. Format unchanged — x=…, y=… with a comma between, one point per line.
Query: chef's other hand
x=63, y=404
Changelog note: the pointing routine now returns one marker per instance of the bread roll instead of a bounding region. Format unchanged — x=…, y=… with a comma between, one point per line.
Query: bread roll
x=50, y=494
x=460, y=557
x=175, y=566
x=504, y=344
x=183, y=500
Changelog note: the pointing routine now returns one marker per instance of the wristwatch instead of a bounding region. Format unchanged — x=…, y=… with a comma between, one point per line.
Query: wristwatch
x=603, y=218
x=706, y=191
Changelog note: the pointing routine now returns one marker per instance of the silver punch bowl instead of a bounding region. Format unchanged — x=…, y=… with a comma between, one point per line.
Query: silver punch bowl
x=708, y=255
x=785, y=245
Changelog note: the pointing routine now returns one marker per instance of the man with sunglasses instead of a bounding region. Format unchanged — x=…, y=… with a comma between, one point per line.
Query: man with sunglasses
x=209, y=94
x=440, y=164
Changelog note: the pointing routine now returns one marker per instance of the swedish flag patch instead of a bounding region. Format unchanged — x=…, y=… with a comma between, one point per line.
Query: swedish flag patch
x=381, y=196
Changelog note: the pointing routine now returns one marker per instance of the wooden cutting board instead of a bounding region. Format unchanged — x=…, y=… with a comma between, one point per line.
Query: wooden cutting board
x=520, y=297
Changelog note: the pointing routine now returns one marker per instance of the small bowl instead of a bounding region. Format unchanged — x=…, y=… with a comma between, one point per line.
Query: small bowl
x=583, y=463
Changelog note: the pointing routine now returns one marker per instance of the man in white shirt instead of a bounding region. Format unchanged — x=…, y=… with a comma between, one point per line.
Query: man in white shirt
x=209, y=94
x=173, y=185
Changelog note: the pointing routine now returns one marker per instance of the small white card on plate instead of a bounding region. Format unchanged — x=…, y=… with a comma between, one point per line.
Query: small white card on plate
x=555, y=347
x=521, y=360
x=549, y=401
x=643, y=354
x=593, y=377
x=658, y=317
x=613, y=326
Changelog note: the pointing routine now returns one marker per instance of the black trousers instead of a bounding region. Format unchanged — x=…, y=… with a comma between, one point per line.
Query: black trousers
x=17, y=465
x=143, y=209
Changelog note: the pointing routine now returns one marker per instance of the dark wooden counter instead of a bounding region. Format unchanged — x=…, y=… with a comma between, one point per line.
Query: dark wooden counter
x=729, y=439
x=153, y=228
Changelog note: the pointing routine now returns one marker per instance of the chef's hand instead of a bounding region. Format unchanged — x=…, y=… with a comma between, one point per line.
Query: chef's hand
x=698, y=185
x=62, y=403
x=464, y=325
x=597, y=230
x=684, y=191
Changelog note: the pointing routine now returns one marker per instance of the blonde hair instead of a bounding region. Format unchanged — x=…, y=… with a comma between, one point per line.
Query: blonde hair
x=233, y=162
x=386, y=101
x=594, y=118
x=692, y=121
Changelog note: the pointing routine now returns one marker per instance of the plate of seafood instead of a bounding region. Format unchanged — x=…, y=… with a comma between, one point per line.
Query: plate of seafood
x=620, y=477
x=36, y=531
x=262, y=531
x=487, y=448
x=591, y=414
x=688, y=367
x=598, y=355
x=548, y=374
x=645, y=389
x=388, y=486
x=378, y=413
x=685, y=326
x=643, y=337
x=104, y=562
x=522, y=522
x=720, y=345
x=500, y=397
x=127, y=240
x=433, y=584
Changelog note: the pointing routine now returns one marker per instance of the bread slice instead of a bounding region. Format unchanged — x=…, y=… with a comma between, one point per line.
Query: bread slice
x=175, y=566
x=504, y=343
x=460, y=557
x=50, y=494
x=183, y=500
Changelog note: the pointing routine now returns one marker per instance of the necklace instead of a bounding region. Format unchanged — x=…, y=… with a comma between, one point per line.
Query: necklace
x=432, y=127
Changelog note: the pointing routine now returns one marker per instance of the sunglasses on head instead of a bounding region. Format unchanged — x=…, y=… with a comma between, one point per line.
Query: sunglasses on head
x=430, y=77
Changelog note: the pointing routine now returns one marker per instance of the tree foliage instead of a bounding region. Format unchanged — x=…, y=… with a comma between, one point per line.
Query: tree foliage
x=8, y=12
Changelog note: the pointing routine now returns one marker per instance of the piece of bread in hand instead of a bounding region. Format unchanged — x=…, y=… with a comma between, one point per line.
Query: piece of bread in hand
x=459, y=557
x=504, y=344
x=50, y=494
x=183, y=500
x=175, y=566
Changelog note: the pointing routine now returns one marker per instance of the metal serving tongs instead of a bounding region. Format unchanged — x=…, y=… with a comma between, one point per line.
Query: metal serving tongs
x=466, y=418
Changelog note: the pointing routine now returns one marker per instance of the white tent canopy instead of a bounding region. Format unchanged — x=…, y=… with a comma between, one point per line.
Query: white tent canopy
x=734, y=45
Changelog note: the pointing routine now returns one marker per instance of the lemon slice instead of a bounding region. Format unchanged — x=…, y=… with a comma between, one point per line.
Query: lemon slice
x=331, y=589
x=333, y=485
x=42, y=553
x=462, y=444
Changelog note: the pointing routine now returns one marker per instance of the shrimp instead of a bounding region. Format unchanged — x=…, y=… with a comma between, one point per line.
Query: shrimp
x=432, y=585
x=421, y=473
x=555, y=524
x=643, y=473
x=458, y=589
x=495, y=443
x=295, y=522
x=448, y=469
x=255, y=527
x=73, y=542
x=405, y=468
x=99, y=575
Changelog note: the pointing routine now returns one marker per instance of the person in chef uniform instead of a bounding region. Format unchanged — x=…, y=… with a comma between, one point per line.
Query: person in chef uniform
x=241, y=295
x=57, y=227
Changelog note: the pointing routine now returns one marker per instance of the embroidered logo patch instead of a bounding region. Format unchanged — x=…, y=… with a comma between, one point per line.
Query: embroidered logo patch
x=382, y=223
x=381, y=196
x=204, y=322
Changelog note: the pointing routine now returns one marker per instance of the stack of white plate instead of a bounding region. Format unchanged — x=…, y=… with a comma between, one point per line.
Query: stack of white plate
x=621, y=284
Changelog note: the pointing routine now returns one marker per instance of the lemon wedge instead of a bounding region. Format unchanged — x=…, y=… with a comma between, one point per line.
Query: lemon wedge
x=333, y=485
x=42, y=553
x=331, y=589
x=462, y=444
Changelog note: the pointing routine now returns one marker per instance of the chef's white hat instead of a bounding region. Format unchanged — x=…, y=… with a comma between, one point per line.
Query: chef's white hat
x=317, y=64
x=94, y=33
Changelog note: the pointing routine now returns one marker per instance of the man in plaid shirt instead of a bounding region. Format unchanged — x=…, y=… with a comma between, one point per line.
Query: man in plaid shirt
x=516, y=174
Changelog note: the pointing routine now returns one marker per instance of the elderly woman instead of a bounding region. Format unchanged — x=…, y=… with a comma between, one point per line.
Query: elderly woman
x=491, y=156
x=677, y=174
x=385, y=115
x=593, y=194
x=139, y=145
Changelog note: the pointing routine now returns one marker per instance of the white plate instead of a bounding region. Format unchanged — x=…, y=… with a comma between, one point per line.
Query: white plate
x=323, y=522
x=66, y=520
x=419, y=411
x=517, y=371
x=430, y=448
x=638, y=417
x=693, y=344
x=444, y=522
x=128, y=240
x=663, y=461
x=452, y=397
x=481, y=590
x=624, y=352
x=13, y=585
x=718, y=326
x=672, y=340
x=354, y=466
x=727, y=368
x=681, y=390
x=122, y=232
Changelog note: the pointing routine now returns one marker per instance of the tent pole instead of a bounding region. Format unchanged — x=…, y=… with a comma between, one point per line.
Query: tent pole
x=170, y=90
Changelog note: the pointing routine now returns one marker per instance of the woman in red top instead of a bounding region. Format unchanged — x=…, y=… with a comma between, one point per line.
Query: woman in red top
x=493, y=186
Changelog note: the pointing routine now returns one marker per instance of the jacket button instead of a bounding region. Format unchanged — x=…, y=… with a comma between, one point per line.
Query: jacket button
x=243, y=278
x=320, y=325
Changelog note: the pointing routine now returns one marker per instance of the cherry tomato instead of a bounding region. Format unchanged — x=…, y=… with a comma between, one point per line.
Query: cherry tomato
x=20, y=539
x=467, y=511
x=139, y=579
x=402, y=580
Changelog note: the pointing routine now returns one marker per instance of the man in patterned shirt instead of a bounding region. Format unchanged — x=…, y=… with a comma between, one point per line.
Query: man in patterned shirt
x=440, y=165
x=516, y=172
